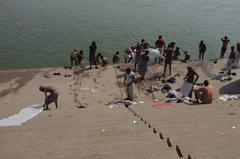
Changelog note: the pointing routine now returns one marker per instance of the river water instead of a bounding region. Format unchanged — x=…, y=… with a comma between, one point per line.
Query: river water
x=42, y=33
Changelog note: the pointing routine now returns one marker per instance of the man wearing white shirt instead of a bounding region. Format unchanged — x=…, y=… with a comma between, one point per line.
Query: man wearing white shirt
x=129, y=83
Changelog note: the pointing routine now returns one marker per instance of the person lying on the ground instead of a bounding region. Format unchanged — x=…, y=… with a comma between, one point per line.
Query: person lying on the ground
x=80, y=57
x=204, y=95
x=129, y=83
x=116, y=58
x=53, y=97
x=104, y=61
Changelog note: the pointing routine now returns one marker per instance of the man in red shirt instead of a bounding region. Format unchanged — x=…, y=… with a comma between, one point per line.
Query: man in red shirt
x=160, y=44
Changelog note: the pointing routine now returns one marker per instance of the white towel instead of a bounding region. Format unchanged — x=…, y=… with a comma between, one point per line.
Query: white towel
x=24, y=115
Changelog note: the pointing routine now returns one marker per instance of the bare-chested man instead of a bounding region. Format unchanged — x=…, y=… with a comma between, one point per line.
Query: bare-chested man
x=53, y=97
x=204, y=95
x=225, y=40
x=168, y=58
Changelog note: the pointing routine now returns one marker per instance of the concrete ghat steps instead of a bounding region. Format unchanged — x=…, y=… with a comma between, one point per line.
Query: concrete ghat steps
x=109, y=134
x=196, y=130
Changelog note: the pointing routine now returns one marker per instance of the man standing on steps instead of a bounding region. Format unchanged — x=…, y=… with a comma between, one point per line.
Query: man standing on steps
x=73, y=57
x=160, y=44
x=225, y=40
x=129, y=83
x=168, y=54
x=202, y=49
x=92, y=55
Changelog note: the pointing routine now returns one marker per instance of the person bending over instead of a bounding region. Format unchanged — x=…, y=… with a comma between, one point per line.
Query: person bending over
x=80, y=57
x=204, y=94
x=104, y=61
x=190, y=78
x=53, y=97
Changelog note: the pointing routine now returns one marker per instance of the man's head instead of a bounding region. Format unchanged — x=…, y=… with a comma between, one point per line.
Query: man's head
x=238, y=46
x=117, y=53
x=41, y=88
x=206, y=83
x=232, y=48
x=160, y=37
x=146, y=52
x=201, y=41
x=189, y=67
x=225, y=37
x=81, y=51
x=142, y=40
x=128, y=70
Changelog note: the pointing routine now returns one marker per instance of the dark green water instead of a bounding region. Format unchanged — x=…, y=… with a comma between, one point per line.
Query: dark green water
x=42, y=33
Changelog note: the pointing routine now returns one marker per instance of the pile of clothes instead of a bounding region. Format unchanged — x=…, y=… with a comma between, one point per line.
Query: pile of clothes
x=170, y=92
x=224, y=76
x=225, y=98
x=152, y=89
x=171, y=79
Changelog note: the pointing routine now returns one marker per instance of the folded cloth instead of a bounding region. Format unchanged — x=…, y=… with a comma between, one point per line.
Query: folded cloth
x=24, y=115
x=171, y=80
x=186, y=88
x=167, y=87
x=172, y=94
x=152, y=90
x=225, y=98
